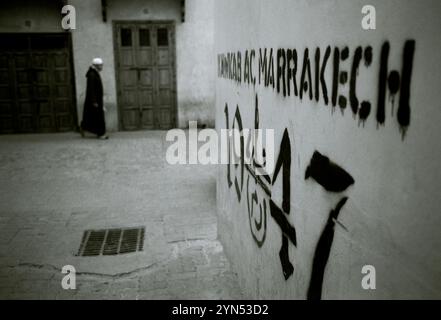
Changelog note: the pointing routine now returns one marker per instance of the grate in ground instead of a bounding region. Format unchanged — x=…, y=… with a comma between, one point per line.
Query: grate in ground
x=111, y=241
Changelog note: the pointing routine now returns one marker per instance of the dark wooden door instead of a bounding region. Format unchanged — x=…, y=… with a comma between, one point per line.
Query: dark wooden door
x=146, y=77
x=36, y=90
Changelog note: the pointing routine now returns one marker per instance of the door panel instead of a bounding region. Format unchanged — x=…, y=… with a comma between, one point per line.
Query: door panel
x=145, y=75
x=163, y=57
x=148, y=121
x=39, y=95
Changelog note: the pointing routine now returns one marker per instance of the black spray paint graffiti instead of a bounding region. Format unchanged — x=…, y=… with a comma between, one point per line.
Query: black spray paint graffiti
x=329, y=175
x=333, y=179
x=395, y=84
x=258, y=223
x=288, y=77
x=280, y=214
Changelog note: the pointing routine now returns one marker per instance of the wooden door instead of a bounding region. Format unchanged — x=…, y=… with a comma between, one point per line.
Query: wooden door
x=146, y=75
x=36, y=90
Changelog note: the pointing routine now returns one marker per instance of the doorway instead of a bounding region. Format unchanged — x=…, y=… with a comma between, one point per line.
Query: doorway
x=36, y=83
x=145, y=74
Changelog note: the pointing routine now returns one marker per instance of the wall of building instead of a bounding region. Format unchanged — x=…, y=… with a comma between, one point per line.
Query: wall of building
x=194, y=49
x=196, y=70
x=30, y=16
x=93, y=37
x=365, y=154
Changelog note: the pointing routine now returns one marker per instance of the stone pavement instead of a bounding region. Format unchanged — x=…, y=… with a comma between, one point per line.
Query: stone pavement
x=56, y=186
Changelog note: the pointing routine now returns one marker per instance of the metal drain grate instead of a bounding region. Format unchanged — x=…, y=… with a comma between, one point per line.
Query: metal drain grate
x=111, y=241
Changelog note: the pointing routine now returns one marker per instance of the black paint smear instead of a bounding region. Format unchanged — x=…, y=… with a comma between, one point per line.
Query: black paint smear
x=353, y=84
x=335, y=76
x=403, y=113
x=368, y=56
x=261, y=221
x=317, y=67
x=281, y=70
x=284, y=160
x=246, y=75
x=306, y=68
x=281, y=220
x=238, y=119
x=322, y=75
x=328, y=174
x=250, y=138
x=365, y=109
x=252, y=55
x=292, y=54
x=382, y=83
x=289, y=233
x=289, y=71
x=344, y=53
x=239, y=67
x=262, y=65
x=393, y=82
x=322, y=252
x=343, y=77
x=342, y=102
x=256, y=126
x=229, y=65
x=263, y=215
x=287, y=267
x=234, y=67
x=228, y=147
x=271, y=69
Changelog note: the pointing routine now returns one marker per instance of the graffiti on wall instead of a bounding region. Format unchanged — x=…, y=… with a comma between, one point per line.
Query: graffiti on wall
x=285, y=72
x=302, y=75
x=332, y=178
x=320, y=169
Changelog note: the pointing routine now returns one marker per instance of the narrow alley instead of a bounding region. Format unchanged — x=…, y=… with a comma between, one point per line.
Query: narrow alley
x=57, y=186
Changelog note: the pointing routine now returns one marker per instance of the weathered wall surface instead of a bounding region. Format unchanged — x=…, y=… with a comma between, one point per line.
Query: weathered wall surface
x=195, y=68
x=30, y=16
x=357, y=140
x=194, y=48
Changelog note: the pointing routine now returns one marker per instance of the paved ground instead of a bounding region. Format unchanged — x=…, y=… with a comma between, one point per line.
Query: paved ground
x=53, y=187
